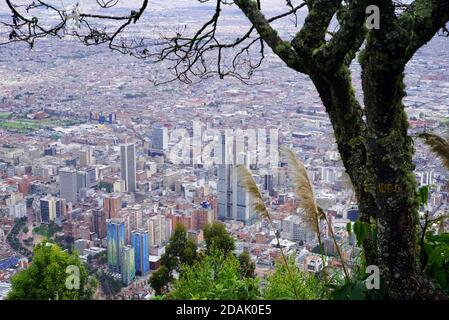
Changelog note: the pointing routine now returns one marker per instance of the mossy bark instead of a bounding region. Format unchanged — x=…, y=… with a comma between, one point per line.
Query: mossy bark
x=389, y=162
x=335, y=90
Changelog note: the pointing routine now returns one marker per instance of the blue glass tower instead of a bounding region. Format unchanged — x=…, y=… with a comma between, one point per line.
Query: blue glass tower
x=140, y=243
x=116, y=241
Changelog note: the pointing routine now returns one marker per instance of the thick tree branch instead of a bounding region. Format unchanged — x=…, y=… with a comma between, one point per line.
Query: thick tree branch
x=424, y=18
x=313, y=33
x=282, y=49
x=348, y=39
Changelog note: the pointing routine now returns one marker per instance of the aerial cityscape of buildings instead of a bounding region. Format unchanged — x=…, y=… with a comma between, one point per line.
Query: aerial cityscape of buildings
x=89, y=156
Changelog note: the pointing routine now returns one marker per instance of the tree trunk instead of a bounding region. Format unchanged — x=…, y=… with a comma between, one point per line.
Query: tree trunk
x=390, y=170
x=337, y=94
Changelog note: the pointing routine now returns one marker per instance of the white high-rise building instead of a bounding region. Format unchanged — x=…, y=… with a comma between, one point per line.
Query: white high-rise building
x=128, y=166
x=86, y=158
x=426, y=177
x=233, y=199
x=159, y=229
x=68, y=182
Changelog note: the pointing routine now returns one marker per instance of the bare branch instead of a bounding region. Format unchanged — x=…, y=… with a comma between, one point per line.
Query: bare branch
x=282, y=48
x=27, y=27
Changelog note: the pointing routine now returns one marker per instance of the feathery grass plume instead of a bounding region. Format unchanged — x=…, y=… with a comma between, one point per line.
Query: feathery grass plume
x=303, y=189
x=313, y=213
x=438, y=145
x=257, y=203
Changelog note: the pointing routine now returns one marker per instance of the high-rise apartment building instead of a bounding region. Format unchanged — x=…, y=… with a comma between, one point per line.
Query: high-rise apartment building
x=68, y=181
x=86, y=158
x=140, y=243
x=128, y=166
x=99, y=222
x=116, y=242
x=159, y=229
x=201, y=217
x=112, y=204
x=127, y=267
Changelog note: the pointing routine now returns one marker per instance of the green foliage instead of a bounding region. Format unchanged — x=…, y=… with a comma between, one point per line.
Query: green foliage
x=349, y=227
x=279, y=285
x=354, y=288
x=110, y=285
x=216, y=276
x=5, y=116
x=217, y=237
x=106, y=186
x=362, y=231
x=423, y=194
x=159, y=280
x=180, y=250
x=102, y=257
x=13, y=239
x=247, y=267
x=46, y=277
x=25, y=229
x=436, y=252
x=47, y=231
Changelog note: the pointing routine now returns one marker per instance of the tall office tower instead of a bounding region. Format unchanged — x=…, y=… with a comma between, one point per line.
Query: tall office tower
x=233, y=199
x=224, y=179
x=139, y=240
x=128, y=166
x=112, y=117
x=328, y=175
x=81, y=181
x=154, y=231
x=241, y=201
x=99, y=223
x=268, y=184
x=112, y=204
x=86, y=157
x=116, y=241
x=426, y=177
x=127, y=267
x=91, y=177
x=159, y=229
x=48, y=209
x=61, y=210
x=68, y=184
x=160, y=137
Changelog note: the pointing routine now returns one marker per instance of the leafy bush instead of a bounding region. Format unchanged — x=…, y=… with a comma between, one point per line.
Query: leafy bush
x=355, y=288
x=216, y=276
x=436, y=251
x=280, y=287
x=46, y=277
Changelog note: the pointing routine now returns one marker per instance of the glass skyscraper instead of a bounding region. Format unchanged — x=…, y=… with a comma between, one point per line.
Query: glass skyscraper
x=140, y=243
x=128, y=166
x=116, y=241
x=128, y=270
